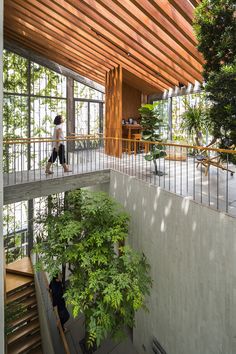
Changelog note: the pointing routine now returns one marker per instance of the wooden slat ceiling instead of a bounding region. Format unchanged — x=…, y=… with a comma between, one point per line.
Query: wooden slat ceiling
x=151, y=39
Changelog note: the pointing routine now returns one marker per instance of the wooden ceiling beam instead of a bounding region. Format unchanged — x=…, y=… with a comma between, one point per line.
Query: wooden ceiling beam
x=195, y=3
x=131, y=18
x=53, y=42
x=27, y=43
x=185, y=8
x=176, y=18
x=34, y=56
x=21, y=32
x=161, y=27
x=93, y=48
x=47, y=20
x=151, y=39
x=46, y=28
x=144, y=77
x=120, y=39
x=107, y=47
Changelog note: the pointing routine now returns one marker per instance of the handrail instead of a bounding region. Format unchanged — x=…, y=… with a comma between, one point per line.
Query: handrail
x=94, y=137
x=86, y=136
x=48, y=140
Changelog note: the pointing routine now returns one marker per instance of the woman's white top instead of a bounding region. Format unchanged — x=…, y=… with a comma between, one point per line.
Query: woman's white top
x=61, y=135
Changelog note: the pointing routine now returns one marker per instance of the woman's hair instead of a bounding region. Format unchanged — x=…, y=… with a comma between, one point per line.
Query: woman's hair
x=57, y=120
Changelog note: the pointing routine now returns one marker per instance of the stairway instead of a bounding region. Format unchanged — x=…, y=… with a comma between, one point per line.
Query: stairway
x=23, y=330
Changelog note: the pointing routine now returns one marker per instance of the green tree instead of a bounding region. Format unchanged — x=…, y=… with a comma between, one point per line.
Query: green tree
x=109, y=280
x=194, y=121
x=215, y=26
x=152, y=123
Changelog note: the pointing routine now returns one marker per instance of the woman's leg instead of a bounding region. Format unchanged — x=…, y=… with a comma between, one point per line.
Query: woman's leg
x=62, y=158
x=61, y=154
x=52, y=159
x=53, y=156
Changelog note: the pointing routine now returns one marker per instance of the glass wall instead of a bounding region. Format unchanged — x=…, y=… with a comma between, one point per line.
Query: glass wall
x=172, y=111
x=33, y=96
x=15, y=230
x=88, y=104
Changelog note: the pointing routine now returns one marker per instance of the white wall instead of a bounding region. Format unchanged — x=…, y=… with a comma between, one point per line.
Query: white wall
x=192, y=252
x=1, y=190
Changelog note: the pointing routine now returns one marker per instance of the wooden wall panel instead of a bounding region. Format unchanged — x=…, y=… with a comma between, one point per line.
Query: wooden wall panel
x=131, y=99
x=113, y=117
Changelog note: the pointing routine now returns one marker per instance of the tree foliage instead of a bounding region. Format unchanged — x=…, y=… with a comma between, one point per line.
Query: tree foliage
x=215, y=26
x=195, y=122
x=109, y=280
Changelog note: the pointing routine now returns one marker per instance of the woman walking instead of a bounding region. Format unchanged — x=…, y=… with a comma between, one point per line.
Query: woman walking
x=58, y=146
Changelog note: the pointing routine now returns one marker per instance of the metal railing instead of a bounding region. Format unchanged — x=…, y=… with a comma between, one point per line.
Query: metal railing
x=205, y=175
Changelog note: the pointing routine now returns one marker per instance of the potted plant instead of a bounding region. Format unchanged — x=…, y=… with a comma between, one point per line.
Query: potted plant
x=152, y=122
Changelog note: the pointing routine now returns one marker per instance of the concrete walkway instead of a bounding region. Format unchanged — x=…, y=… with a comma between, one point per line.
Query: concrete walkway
x=216, y=190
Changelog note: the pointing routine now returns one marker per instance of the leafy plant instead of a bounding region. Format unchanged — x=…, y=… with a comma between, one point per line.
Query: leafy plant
x=109, y=280
x=194, y=121
x=215, y=26
x=152, y=123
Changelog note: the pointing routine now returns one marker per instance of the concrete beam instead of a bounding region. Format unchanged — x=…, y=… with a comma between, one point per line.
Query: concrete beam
x=31, y=190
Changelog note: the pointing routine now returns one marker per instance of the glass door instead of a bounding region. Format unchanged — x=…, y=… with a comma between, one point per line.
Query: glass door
x=88, y=118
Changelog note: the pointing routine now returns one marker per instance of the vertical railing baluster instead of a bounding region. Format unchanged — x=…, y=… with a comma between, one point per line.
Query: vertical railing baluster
x=169, y=167
x=175, y=170
x=227, y=185
x=194, y=177
x=201, y=185
x=187, y=156
x=217, y=189
x=14, y=164
x=209, y=186
x=181, y=169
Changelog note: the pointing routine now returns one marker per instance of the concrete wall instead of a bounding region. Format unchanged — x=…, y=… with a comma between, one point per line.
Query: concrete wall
x=1, y=191
x=192, y=252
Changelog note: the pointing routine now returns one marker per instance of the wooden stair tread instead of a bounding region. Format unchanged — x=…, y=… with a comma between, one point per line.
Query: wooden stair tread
x=23, y=331
x=19, y=295
x=29, y=302
x=30, y=314
x=15, y=281
x=25, y=345
x=22, y=266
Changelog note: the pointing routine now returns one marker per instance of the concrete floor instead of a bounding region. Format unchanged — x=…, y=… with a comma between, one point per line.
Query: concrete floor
x=217, y=189
x=75, y=332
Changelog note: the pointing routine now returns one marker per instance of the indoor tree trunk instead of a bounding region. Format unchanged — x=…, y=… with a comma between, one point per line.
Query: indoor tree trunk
x=156, y=171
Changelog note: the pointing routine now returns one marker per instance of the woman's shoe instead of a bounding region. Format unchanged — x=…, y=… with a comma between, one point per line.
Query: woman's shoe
x=48, y=171
x=66, y=168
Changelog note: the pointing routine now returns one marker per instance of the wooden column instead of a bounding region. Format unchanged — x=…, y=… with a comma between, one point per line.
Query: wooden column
x=113, y=117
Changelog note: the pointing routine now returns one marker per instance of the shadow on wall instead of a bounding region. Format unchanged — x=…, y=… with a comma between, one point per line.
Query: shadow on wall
x=191, y=250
